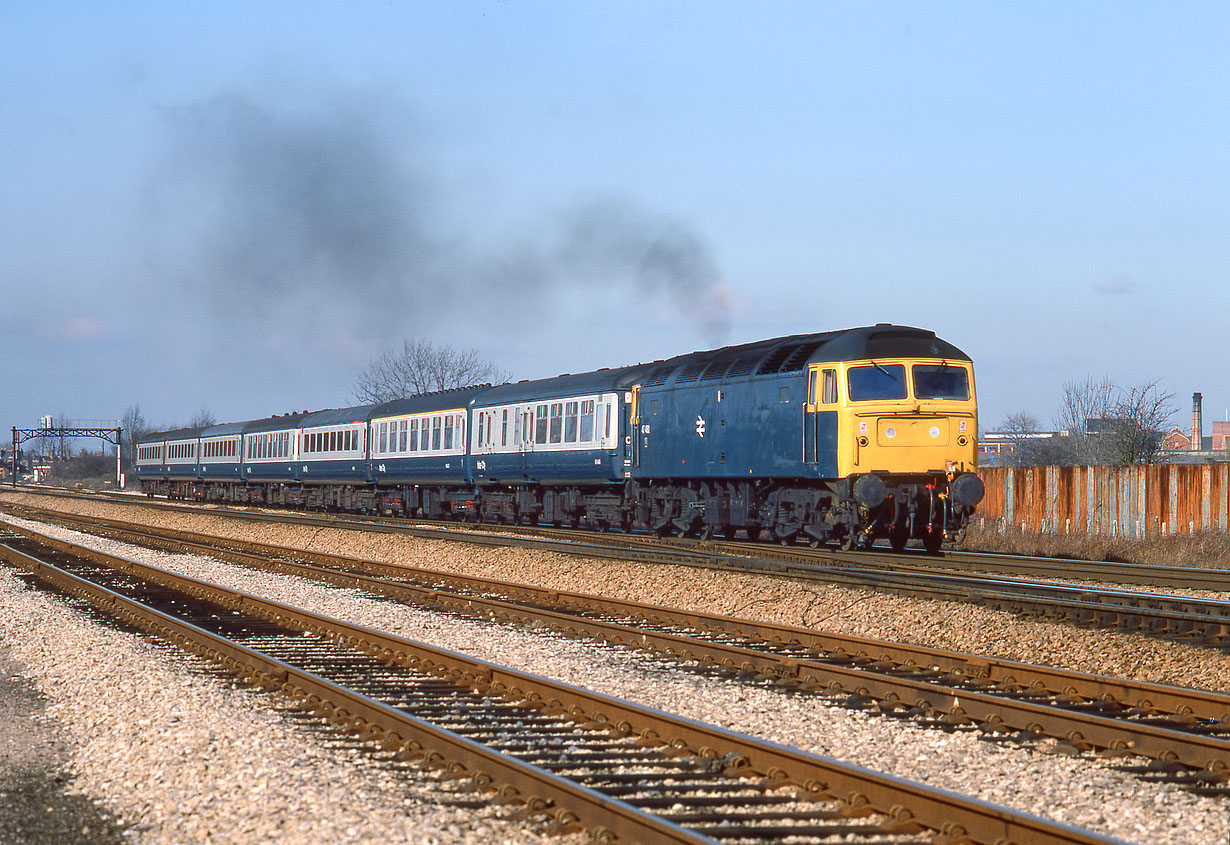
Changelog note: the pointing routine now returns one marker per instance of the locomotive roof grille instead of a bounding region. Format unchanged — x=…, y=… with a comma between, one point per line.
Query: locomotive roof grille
x=787, y=358
x=659, y=376
x=691, y=372
x=717, y=370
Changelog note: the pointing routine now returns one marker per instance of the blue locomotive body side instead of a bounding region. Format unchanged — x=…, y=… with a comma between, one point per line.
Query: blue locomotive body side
x=701, y=430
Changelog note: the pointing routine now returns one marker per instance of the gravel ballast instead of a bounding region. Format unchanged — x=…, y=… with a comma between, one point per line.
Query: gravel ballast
x=1080, y=791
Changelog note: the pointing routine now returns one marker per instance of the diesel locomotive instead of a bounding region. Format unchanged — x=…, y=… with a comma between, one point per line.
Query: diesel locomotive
x=844, y=436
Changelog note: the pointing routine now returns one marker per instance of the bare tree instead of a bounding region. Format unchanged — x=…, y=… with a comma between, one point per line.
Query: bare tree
x=1018, y=426
x=202, y=419
x=62, y=444
x=1085, y=405
x=422, y=367
x=134, y=425
x=1141, y=414
x=1111, y=425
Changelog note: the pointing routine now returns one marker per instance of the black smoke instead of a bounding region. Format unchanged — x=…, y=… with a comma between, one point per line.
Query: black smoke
x=330, y=206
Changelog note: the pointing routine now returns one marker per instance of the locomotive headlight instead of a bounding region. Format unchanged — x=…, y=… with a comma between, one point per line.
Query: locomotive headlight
x=967, y=489
x=870, y=492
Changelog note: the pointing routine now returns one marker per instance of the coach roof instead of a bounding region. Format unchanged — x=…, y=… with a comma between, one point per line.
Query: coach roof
x=426, y=403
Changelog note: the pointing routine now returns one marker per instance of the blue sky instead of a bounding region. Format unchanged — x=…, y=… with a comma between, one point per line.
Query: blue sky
x=236, y=206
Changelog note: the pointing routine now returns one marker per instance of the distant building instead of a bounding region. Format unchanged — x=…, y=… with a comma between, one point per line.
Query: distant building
x=1190, y=444
x=996, y=447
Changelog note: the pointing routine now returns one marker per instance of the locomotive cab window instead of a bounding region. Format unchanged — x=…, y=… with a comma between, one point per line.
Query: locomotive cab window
x=876, y=382
x=828, y=387
x=939, y=381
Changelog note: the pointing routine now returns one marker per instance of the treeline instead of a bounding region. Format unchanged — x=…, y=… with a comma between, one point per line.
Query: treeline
x=1100, y=424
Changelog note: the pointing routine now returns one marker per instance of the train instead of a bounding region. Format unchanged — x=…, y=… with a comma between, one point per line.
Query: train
x=841, y=437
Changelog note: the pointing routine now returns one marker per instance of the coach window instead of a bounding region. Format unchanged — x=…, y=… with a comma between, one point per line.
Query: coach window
x=414, y=435
x=587, y=420
x=541, y=421
x=436, y=426
x=570, y=422
x=384, y=436
x=448, y=431
x=404, y=429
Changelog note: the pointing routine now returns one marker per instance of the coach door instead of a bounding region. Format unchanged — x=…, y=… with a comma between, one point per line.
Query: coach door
x=820, y=415
x=634, y=425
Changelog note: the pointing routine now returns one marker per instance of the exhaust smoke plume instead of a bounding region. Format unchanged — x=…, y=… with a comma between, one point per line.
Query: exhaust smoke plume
x=325, y=213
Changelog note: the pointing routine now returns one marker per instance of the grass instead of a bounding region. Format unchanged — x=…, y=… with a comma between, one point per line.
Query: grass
x=1205, y=549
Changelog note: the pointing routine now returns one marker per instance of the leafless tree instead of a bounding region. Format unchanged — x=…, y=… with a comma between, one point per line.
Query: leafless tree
x=203, y=418
x=422, y=367
x=62, y=444
x=1030, y=445
x=134, y=425
x=1086, y=404
x=1110, y=425
x=1141, y=415
x=1020, y=426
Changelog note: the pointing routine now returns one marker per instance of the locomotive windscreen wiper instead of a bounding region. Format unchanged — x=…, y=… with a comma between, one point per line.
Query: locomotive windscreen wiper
x=881, y=369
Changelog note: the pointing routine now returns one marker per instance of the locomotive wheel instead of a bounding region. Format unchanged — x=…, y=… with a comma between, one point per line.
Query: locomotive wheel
x=897, y=540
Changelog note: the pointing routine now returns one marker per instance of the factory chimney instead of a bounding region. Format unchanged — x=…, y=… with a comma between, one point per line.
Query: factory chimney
x=1197, y=424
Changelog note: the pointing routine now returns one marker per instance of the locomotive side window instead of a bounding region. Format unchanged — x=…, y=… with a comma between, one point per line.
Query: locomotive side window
x=876, y=382
x=937, y=381
x=828, y=393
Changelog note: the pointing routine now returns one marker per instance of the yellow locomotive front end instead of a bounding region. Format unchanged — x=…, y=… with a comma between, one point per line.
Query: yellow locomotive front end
x=906, y=444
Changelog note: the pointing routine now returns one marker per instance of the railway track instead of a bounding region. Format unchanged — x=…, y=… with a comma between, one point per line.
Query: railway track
x=645, y=547
x=1160, y=615
x=1185, y=732
x=616, y=770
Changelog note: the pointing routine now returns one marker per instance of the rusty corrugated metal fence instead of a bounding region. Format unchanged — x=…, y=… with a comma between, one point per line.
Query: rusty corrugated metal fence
x=1144, y=501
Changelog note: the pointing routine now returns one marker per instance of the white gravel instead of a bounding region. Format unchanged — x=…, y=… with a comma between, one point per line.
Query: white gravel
x=1080, y=791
